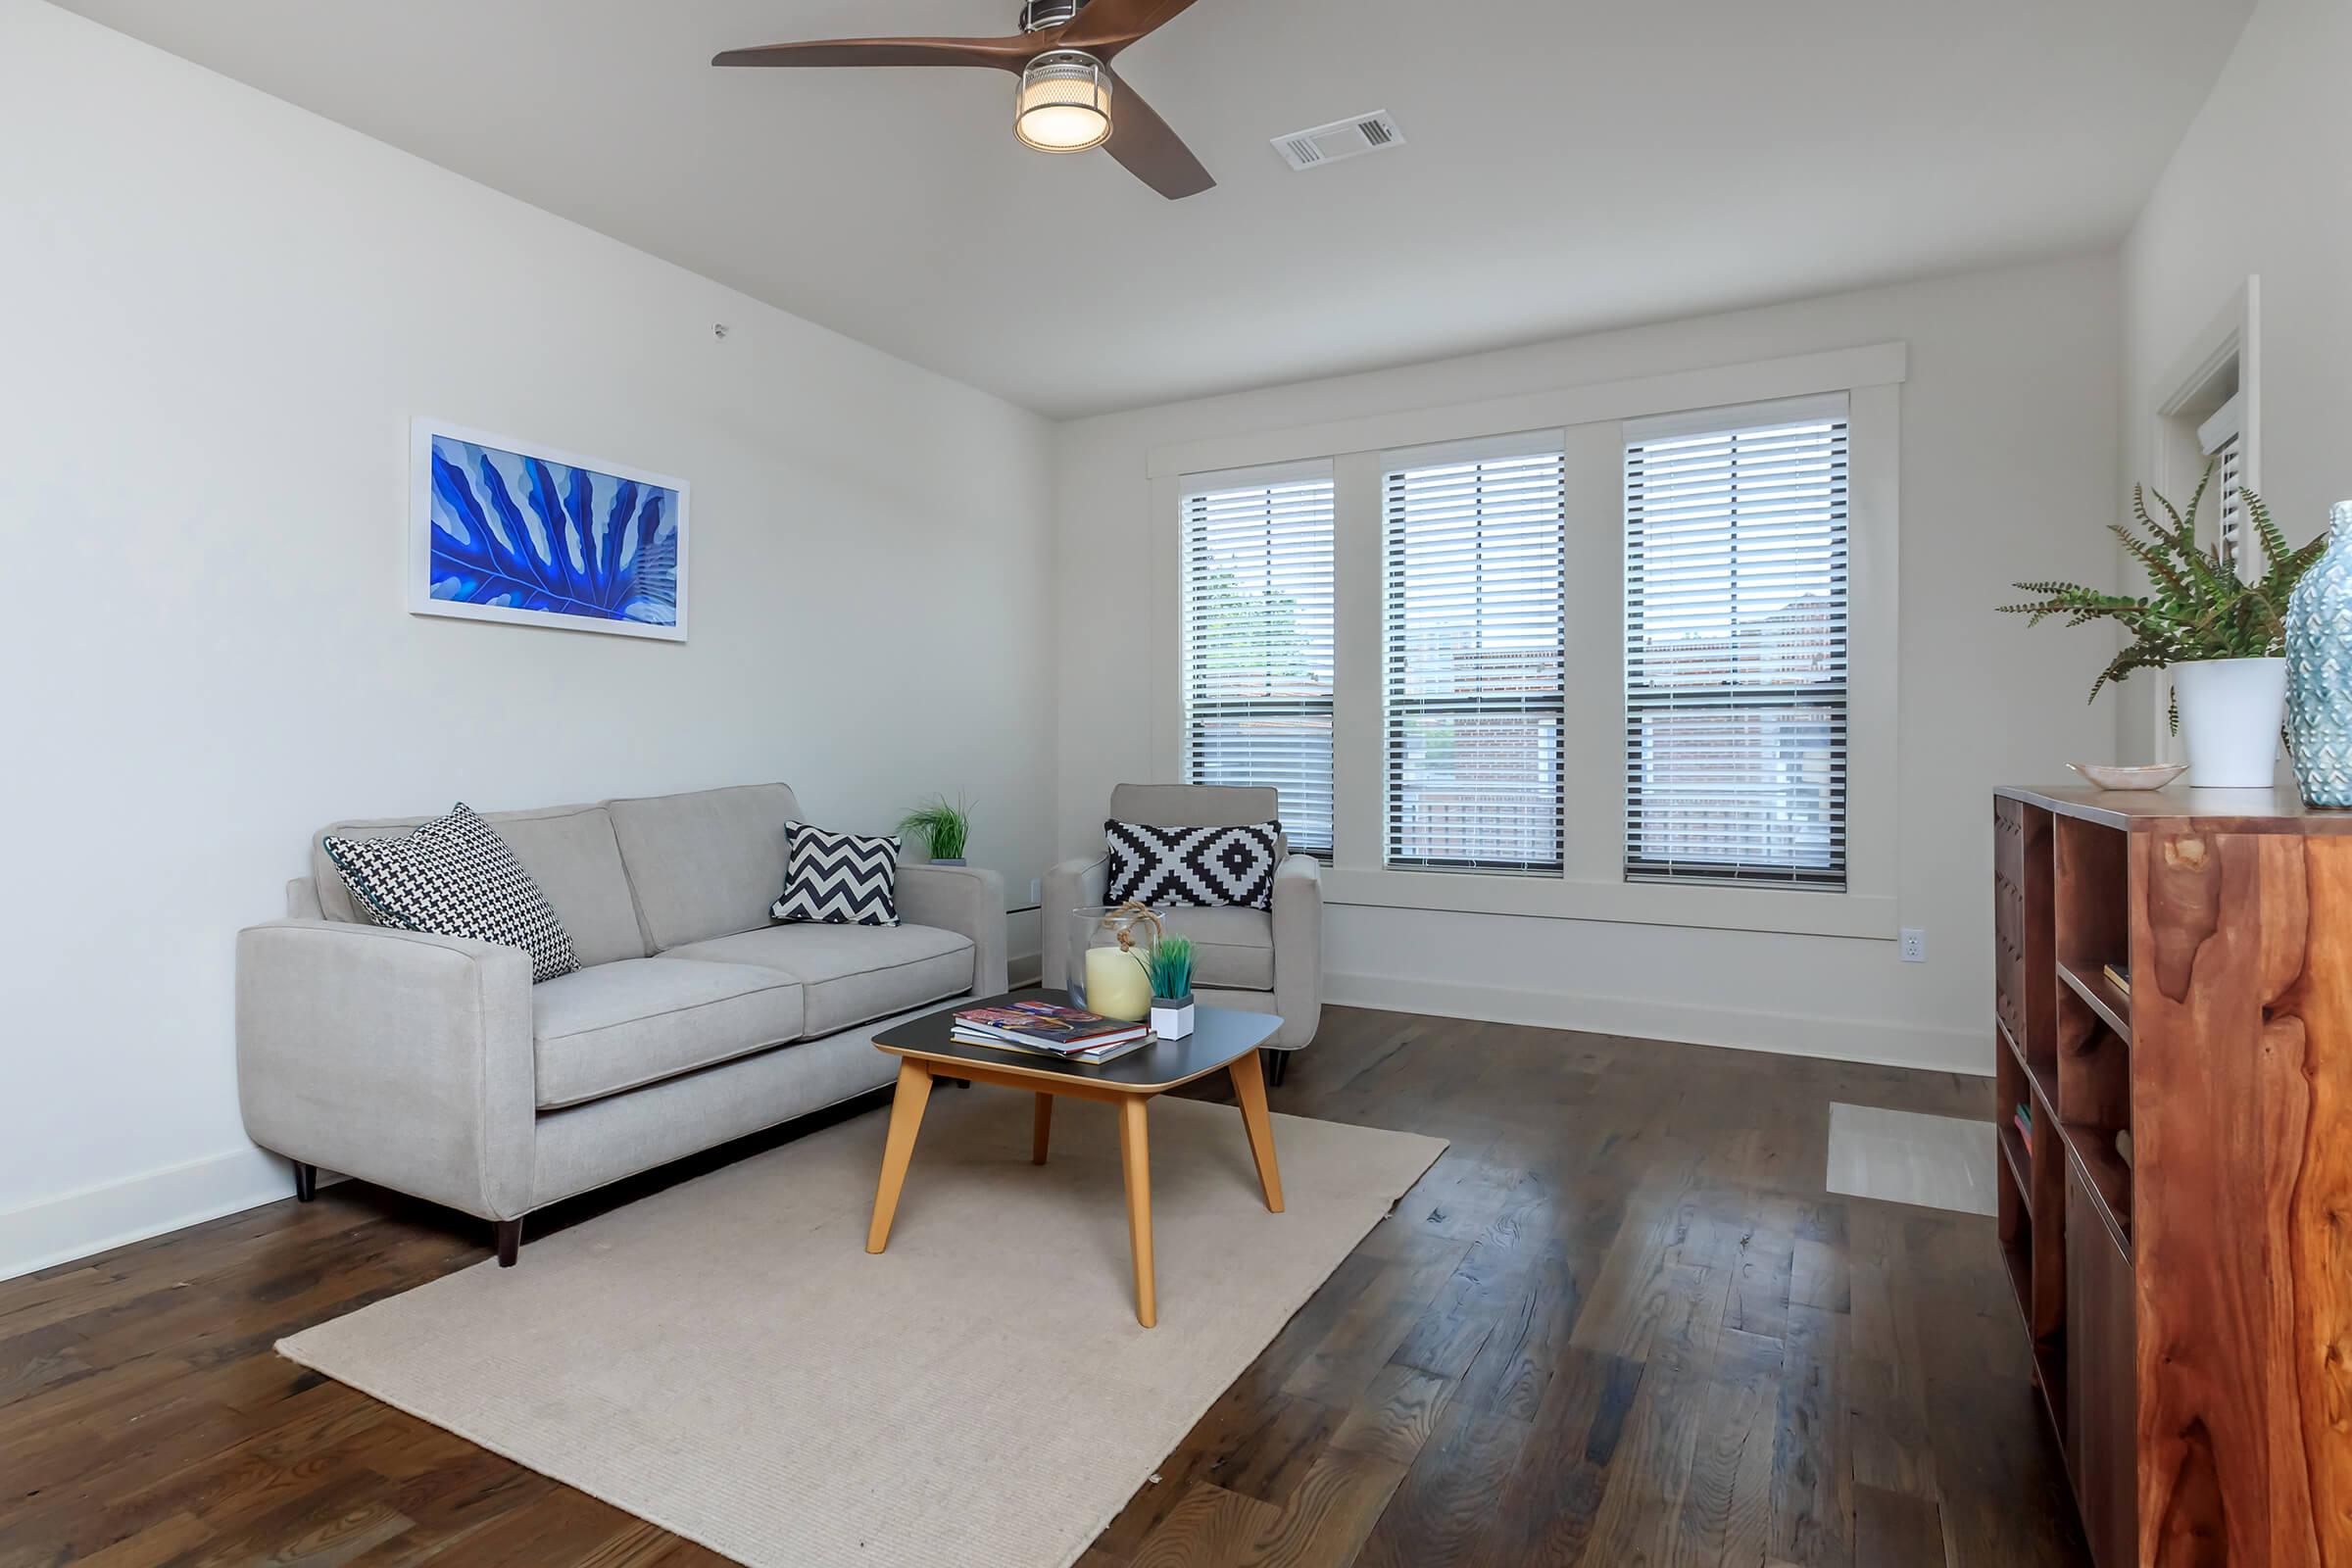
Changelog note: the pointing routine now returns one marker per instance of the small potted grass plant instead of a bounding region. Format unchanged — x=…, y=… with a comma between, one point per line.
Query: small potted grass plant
x=943, y=829
x=1171, y=967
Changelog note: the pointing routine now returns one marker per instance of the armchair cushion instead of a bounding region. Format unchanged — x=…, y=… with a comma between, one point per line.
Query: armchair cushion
x=1233, y=949
x=850, y=973
x=619, y=1026
x=1209, y=867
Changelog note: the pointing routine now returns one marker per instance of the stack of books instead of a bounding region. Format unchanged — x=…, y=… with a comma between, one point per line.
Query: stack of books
x=1048, y=1029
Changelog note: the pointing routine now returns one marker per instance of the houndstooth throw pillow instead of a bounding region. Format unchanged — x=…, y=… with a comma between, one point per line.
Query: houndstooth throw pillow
x=454, y=877
x=1201, y=866
x=839, y=878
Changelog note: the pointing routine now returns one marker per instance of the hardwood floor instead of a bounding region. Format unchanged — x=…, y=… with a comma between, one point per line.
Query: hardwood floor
x=1619, y=1323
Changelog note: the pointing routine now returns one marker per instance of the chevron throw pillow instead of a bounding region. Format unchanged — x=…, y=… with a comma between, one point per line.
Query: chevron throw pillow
x=454, y=877
x=1201, y=866
x=839, y=878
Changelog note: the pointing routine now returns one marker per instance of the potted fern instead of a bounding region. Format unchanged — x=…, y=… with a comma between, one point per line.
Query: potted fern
x=943, y=829
x=2223, y=638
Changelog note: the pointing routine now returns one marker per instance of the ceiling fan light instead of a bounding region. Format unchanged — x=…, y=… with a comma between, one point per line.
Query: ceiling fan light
x=1064, y=105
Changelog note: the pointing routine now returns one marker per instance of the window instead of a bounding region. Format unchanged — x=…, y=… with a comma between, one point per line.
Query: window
x=1474, y=630
x=1736, y=638
x=2222, y=438
x=1257, y=639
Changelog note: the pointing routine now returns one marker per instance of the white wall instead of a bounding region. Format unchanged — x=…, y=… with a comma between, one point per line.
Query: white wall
x=2009, y=436
x=2257, y=187
x=217, y=314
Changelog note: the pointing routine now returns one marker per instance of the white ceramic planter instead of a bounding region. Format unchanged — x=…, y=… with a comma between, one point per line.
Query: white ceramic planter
x=2230, y=712
x=1172, y=1020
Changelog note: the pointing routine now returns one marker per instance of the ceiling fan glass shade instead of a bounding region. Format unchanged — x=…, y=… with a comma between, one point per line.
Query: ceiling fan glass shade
x=1064, y=103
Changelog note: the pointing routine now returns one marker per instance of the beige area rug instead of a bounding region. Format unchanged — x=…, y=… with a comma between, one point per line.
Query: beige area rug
x=724, y=1358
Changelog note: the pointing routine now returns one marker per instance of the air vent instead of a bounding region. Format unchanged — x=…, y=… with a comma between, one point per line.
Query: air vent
x=1342, y=139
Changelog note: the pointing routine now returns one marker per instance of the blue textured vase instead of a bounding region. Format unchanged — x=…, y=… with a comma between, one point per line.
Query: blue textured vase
x=2319, y=669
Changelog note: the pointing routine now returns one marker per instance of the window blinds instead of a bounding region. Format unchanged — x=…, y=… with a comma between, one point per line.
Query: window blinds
x=1257, y=613
x=2223, y=438
x=1736, y=645
x=1473, y=637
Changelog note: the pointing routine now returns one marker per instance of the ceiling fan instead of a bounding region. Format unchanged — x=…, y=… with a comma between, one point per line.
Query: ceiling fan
x=1063, y=55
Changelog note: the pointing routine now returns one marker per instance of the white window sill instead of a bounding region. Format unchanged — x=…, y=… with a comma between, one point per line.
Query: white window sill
x=1861, y=917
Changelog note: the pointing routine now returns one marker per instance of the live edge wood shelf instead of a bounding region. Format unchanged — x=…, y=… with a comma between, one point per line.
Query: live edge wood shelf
x=2178, y=1221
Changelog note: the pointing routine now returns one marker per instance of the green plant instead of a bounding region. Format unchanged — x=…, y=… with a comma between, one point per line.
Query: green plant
x=2199, y=608
x=1171, y=966
x=943, y=829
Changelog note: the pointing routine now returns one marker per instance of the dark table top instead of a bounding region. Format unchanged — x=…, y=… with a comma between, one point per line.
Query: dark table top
x=1220, y=1037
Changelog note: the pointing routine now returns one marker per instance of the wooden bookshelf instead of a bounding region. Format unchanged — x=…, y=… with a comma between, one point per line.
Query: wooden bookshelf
x=2190, y=1306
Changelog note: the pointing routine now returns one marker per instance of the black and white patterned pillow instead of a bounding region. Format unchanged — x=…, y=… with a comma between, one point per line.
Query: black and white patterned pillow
x=1203, y=866
x=454, y=877
x=839, y=878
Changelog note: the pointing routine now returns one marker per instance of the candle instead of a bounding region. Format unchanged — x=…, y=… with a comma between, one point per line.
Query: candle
x=1116, y=985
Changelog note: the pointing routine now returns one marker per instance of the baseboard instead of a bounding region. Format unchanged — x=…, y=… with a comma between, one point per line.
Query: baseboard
x=1787, y=1034
x=1024, y=969
x=95, y=1219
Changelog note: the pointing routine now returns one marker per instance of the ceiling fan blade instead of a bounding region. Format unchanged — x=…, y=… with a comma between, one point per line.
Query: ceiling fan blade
x=1001, y=54
x=1149, y=150
x=1107, y=26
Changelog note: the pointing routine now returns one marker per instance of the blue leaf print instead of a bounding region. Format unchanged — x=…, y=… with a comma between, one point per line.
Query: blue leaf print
x=578, y=543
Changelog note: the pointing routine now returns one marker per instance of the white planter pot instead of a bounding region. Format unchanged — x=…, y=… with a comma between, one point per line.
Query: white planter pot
x=2230, y=712
x=1173, y=1020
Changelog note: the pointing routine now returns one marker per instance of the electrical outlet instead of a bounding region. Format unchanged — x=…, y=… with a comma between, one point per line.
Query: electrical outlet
x=1037, y=891
x=1915, y=945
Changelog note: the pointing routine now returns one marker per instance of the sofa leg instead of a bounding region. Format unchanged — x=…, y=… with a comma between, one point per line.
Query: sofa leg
x=306, y=1181
x=1276, y=1063
x=510, y=1241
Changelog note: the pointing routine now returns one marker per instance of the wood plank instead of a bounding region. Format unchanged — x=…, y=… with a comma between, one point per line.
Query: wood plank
x=1474, y=1384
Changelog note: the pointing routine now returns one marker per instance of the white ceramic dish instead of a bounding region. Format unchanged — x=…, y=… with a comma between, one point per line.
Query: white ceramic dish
x=2151, y=776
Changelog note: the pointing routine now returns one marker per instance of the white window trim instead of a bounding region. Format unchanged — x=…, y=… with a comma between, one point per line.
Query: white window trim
x=1593, y=417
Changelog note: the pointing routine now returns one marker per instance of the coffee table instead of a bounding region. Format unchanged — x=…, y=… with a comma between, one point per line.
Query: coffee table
x=1222, y=1039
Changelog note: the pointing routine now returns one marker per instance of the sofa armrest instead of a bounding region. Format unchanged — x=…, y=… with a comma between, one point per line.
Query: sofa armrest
x=1298, y=949
x=1080, y=884
x=963, y=899
x=395, y=1057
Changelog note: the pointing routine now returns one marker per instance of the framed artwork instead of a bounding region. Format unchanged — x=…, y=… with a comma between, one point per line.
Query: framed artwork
x=501, y=529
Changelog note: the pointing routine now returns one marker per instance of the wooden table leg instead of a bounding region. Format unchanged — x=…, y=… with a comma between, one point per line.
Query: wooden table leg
x=1250, y=1088
x=1042, y=1130
x=906, y=1120
x=1135, y=1154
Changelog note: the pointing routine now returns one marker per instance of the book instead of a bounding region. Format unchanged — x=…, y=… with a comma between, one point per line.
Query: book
x=1091, y=1057
x=2118, y=975
x=1048, y=1025
x=2023, y=1116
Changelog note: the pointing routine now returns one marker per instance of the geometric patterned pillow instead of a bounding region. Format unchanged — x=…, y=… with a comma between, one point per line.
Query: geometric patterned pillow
x=838, y=878
x=1205, y=868
x=454, y=877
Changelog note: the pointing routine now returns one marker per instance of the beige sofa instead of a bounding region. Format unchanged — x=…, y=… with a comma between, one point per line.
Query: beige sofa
x=1260, y=961
x=434, y=1066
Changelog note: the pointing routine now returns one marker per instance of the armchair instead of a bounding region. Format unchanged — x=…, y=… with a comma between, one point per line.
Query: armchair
x=1256, y=959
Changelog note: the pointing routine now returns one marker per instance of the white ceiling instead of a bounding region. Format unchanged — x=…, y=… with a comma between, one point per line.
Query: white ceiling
x=1571, y=164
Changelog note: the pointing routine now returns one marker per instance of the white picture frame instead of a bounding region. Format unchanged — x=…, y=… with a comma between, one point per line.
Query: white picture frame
x=585, y=561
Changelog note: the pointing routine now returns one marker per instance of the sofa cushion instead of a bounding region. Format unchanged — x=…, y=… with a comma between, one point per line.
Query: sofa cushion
x=1232, y=947
x=839, y=878
x=706, y=864
x=850, y=973
x=569, y=851
x=454, y=877
x=622, y=1025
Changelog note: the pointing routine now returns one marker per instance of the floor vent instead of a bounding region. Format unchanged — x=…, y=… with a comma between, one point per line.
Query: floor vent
x=1340, y=140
